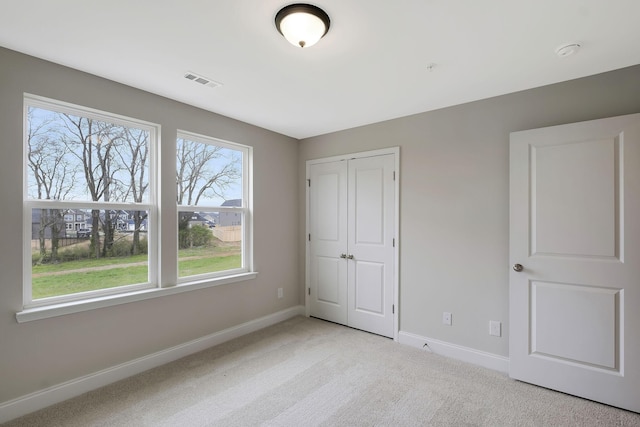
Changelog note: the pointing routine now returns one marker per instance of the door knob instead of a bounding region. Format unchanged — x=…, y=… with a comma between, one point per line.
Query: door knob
x=349, y=256
x=343, y=256
x=518, y=267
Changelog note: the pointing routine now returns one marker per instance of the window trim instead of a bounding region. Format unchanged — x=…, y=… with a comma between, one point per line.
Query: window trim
x=61, y=309
x=246, y=209
x=151, y=204
x=49, y=307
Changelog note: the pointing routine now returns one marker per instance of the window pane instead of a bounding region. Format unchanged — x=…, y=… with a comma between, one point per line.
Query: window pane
x=70, y=157
x=207, y=174
x=82, y=250
x=209, y=242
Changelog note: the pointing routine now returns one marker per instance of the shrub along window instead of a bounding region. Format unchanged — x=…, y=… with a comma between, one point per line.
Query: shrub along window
x=213, y=207
x=90, y=215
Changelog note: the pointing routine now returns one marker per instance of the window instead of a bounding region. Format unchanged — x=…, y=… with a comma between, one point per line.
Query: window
x=91, y=217
x=212, y=179
x=89, y=203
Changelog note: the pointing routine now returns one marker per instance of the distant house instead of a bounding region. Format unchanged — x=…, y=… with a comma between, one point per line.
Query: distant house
x=122, y=220
x=228, y=219
x=36, y=219
x=130, y=225
x=126, y=221
x=194, y=218
x=213, y=218
x=76, y=219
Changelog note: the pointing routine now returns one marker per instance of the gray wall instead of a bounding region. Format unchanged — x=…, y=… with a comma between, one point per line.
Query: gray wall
x=42, y=353
x=454, y=189
x=454, y=219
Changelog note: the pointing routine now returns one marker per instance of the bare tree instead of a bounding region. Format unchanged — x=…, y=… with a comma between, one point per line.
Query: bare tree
x=93, y=142
x=134, y=156
x=54, y=178
x=197, y=174
x=200, y=172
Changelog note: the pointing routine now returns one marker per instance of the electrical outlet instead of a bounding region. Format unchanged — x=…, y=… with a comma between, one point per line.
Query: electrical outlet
x=495, y=328
x=280, y=293
x=446, y=318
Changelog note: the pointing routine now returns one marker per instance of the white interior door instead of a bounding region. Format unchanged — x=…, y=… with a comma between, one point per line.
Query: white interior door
x=328, y=241
x=352, y=255
x=575, y=233
x=370, y=244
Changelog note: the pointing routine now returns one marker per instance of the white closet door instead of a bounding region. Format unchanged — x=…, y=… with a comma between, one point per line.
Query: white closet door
x=328, y=234
x=370, y=244
x=575, y=249
x=352, y=272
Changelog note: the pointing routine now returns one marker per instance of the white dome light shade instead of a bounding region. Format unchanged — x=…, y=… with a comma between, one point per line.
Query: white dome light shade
x=302, y=24
x=302, y=29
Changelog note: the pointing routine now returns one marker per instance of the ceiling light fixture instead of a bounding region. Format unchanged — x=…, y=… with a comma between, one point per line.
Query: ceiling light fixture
x=302, y=24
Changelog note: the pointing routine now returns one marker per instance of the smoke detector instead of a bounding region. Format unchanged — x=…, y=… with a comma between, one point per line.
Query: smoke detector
x=201, y=79
x=568, y=49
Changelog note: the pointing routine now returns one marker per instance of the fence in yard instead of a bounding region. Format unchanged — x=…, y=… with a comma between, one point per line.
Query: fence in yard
x=228, y=234
x=62, y=242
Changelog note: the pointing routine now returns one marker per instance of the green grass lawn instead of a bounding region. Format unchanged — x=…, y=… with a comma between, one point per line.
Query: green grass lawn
x=86, y=263
x=74, y=282
x=87, y=275
x=208, y=250
x=189, y=267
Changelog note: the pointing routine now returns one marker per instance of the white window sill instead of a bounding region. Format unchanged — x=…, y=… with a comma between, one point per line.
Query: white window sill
x=54, y=310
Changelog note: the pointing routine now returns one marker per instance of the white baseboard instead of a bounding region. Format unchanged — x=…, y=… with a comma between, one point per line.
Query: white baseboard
x=454, y=351
x=41, y=399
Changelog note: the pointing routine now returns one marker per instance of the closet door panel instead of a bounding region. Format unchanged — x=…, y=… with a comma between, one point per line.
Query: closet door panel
x=371, y=190
x=328, y=238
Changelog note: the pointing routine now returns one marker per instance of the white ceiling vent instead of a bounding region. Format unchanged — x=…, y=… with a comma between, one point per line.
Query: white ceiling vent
x=200, y=79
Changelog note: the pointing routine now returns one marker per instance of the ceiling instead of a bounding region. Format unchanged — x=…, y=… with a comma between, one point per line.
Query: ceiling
x=373, y=65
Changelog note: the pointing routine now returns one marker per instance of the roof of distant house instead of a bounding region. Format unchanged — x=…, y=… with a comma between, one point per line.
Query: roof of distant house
x=192, y=217
x=233, y=202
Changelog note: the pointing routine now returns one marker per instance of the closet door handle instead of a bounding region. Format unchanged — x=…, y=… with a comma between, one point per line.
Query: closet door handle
x=343, y=256
x=349, y=256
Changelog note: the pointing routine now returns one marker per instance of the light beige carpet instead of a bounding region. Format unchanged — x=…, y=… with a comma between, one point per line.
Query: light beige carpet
x=307, y=372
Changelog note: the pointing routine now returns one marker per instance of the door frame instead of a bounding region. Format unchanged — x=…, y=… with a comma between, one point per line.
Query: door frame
x=396, y=226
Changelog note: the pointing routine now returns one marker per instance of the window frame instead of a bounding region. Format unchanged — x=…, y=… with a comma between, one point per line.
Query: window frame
x=163, y=281
x=151, y=205
x=245, y=209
